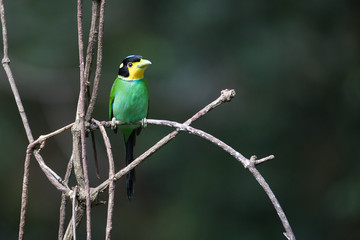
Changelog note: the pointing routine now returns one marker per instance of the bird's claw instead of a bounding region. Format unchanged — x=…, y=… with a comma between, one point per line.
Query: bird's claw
x=113, y=123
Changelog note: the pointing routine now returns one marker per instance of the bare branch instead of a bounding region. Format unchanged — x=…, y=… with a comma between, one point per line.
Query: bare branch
x=63, y=200
x=260, y=179
x=74, y=212
x=247, y=163
x=98, y=63
x=41, y=140
x=226, y=96
x=6, y=66
x=6, y=62
x=80, y=116
x=92, y=40
x=69, y=230
x=111, y=176
x=24, y=196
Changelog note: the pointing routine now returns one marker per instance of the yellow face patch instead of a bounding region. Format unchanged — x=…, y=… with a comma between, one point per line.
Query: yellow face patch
x=136, y=69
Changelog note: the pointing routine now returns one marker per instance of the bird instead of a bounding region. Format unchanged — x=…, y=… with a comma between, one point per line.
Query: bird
x=129, y=102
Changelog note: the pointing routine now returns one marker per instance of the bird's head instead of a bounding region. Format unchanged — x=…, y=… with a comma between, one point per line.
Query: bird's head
x=133, y=67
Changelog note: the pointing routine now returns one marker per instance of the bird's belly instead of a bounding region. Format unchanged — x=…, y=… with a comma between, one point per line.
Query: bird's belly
x=131, y=108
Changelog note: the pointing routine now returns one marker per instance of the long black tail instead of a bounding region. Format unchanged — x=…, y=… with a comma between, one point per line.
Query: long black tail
x=130, y=177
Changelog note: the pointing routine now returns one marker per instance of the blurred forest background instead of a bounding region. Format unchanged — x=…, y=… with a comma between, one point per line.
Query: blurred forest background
x=295, y=66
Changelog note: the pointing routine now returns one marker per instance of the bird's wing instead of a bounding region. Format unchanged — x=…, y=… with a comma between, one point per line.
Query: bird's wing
x=111, y=102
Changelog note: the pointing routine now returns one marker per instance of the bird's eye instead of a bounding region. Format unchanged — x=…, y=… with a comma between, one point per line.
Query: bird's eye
x=130, y=65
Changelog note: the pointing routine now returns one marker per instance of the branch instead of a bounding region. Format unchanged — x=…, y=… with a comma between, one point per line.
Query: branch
x=5, y=63
x=247, y=163
x=42, y=139
x=226, y=96
x=92, y=39
x=98, y=63
x=6, y=66
x=111, y=176
x=80, y=116
x=63, y=200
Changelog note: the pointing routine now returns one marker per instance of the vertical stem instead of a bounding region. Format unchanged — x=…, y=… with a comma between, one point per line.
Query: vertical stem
x=5, y=63
x=74, y=213
x=63, y=200
x=111, y=176
x=98, y=62
x=24, y=196
x=81, y=118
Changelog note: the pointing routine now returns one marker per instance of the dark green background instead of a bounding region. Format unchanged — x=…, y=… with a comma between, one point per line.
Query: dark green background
x=295, y=67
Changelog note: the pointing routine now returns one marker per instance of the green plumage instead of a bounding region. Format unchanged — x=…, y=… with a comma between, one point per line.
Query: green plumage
x=129, y=102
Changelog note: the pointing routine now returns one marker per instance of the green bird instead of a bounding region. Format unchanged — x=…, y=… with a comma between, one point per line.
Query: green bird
x=129, y=102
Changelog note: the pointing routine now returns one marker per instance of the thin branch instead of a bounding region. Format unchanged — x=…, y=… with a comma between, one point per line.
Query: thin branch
x=6, y=62
x=260, y=179
x=98, y=63
x=24, y=197
x=249, y=164
x=6, y=66
x=226, y=96
x=51, y=175
x=81, y=118
x=111, y=176
x=92, y=40
x=69, y=230
x=262, y=160
x=43, y=138
x=63, y=200
x=74, y=213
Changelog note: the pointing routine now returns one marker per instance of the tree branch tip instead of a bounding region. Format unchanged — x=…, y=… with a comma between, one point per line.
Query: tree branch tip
x=265, y=159
x=227, y=94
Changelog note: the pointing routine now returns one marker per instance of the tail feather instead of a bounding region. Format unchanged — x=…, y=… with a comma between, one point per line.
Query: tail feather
x=130, y=177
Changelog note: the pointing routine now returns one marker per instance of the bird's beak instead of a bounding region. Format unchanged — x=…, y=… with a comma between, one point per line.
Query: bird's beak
x=143, y=63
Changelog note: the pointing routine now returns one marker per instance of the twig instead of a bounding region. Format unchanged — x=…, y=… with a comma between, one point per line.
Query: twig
x=92, y=39
x=226, y=96
x=69, y=230
x=111, y=176
x=51, y=175
x=6, y=62
x=260, y=179
x=63, y=200
x=6, y=66
x=74, y=213
x=98, y=63
x=81, y=118
x=24, y=197
x=43, y=138
x=247, y=163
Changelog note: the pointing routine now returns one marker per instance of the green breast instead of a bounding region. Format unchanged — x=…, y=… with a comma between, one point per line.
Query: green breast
x=130, y=101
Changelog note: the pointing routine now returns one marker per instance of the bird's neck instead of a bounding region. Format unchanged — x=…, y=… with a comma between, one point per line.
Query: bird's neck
x=129, y=79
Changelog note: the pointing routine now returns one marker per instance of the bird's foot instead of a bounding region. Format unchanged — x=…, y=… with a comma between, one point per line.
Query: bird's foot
x=113, y=123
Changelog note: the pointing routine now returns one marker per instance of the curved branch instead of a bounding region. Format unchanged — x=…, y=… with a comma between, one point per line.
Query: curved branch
x=250, y=164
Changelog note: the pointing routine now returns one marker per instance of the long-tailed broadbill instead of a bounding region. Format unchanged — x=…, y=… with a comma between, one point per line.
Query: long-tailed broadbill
x=129, y=102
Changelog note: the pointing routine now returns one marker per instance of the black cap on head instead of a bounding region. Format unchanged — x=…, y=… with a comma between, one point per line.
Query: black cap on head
x=123, y=70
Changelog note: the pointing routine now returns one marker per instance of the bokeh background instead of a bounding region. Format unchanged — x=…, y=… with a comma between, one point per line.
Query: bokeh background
x=295, y=67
